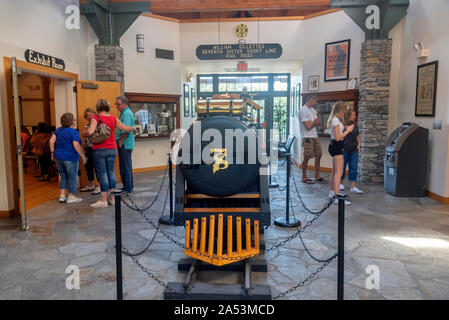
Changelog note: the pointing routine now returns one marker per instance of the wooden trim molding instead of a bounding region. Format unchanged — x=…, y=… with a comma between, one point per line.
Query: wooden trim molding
x=149, y=169
x=437, y=197
x=281, y=18
x=44, y=71
x=6, y=214
x=344, y=95
x=156, y=16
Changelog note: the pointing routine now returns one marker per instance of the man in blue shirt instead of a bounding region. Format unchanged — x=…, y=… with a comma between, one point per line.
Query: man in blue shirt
x=125, y=144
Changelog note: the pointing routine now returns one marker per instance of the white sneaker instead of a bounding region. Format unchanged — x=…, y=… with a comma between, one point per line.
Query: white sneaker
x=99, y=204
x=342, y=186
x=331, y=194
x=73, y=199
x=62, y=198
x=356, y=190
x=347, y=203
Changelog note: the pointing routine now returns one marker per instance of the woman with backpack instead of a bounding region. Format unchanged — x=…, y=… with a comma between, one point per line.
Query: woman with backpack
x=101, y=133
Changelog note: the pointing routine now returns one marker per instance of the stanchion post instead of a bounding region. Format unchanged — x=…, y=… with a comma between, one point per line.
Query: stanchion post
x=118, y=242
x=170, y=219
x=341, y=247
x=287, y=222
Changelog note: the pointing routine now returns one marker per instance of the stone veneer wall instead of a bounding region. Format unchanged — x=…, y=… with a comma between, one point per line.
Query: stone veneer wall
x=109, y=64
x=374, y=93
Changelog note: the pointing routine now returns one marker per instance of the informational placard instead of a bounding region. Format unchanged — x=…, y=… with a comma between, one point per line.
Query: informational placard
x=241, y=51
x=44, y=60
x=426, y=89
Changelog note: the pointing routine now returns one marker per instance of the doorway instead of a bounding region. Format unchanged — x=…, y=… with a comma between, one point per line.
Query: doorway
x=38, y=121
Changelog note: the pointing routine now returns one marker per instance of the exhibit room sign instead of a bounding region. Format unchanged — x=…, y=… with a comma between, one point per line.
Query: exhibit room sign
x=44, y=60
x=240, y=51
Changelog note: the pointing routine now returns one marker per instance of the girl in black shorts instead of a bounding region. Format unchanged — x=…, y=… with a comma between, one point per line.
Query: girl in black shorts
x=336, y=145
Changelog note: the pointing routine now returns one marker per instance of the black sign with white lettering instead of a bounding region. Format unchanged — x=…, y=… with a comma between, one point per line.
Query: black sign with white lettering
x=44, y=60
x=242, y=51
x=165, y=54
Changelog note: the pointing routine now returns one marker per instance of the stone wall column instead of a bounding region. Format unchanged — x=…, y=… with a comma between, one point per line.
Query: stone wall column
x=374, y=94
x=109, y=64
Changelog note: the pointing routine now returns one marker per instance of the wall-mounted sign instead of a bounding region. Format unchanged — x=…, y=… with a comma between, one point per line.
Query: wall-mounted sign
x=44, y=60
x=240, y=51
x=165, y=54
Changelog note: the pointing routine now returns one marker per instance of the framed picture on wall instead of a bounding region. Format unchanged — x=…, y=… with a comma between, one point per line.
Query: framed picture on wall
x=336, y=60
x=186, y=100
x=298, y=97
x=426, y=89
x=352, y=84
x=293, y=101
x=314, y=83
x=193, y=99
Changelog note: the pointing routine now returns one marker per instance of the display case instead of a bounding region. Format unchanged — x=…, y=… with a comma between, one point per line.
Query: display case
x=156, y=115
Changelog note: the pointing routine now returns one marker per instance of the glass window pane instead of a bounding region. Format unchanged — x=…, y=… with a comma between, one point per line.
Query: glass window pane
x=239, y=84
x=280, y=118
x=263, y=83
x=206, y=84
x=280, y=83
x=255, y=83
x=262, y=111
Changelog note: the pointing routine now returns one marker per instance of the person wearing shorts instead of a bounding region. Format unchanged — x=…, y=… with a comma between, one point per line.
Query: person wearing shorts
x=336, y=146
x=308, y=121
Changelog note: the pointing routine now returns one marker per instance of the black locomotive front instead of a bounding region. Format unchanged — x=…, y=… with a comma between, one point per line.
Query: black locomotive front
x=222, y=193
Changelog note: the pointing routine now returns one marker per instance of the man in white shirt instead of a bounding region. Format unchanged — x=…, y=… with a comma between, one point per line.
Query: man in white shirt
x=308, y=121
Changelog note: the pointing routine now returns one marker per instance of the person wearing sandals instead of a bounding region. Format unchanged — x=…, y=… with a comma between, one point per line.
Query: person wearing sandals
x=105, y=152
x=308, y=121
x=351, y=152
x=65, y=148
x=89, y=113
x=336, y=146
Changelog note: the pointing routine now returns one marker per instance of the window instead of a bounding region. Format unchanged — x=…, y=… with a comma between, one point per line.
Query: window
x=280, y=83
x=262, y=111
x=206, y=84
x=227, y=84
x=280, y=118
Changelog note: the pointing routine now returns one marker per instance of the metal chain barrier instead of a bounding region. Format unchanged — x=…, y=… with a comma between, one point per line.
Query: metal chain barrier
x=310, y=277
x=326, y=206
x=294, y=235
x=132, y=205
x=155, y=233
x=145, y=270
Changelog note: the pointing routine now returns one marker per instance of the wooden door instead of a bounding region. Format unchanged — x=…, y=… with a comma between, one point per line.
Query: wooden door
x=87, y=94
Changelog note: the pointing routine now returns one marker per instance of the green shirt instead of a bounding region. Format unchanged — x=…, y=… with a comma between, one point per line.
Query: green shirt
x=127, y=118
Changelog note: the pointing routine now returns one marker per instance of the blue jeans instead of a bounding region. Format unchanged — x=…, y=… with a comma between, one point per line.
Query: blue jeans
x=351, y=158
x=104, y=161
x=126, y=168
x=68, y=171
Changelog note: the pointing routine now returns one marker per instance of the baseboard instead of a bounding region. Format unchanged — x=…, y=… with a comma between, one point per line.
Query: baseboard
x=322, y=169
x=437, y=197
x=6, y=214
x=149, y=169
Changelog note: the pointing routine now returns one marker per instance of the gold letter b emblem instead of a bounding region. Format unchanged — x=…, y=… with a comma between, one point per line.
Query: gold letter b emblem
x=219, y=158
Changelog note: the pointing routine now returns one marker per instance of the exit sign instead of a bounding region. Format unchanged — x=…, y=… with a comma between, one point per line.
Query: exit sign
x=242, y=66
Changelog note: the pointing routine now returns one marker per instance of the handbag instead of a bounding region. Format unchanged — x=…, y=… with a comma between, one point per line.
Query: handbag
x=102, y=132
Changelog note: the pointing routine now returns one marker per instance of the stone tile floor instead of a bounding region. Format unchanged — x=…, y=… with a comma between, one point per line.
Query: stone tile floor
x=407, y=239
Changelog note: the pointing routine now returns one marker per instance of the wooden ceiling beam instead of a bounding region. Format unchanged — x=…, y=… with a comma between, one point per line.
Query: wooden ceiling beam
x=162, y=6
